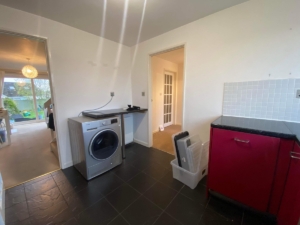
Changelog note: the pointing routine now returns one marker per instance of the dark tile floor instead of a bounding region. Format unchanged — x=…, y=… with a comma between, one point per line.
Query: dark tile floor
x=140, y=191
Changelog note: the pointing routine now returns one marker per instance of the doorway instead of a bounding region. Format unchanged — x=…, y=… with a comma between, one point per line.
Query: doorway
x=167, y=74
x=27, y=144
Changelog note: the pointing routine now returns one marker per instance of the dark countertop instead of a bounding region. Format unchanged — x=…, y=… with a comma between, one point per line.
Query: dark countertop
x=110, y=112
x=295, y=129
x=273, y=128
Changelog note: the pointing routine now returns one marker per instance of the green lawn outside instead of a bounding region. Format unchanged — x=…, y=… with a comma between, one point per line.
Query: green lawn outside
x=32, y=114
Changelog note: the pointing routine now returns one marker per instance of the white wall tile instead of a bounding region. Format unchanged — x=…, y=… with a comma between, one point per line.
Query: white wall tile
x=267, y=99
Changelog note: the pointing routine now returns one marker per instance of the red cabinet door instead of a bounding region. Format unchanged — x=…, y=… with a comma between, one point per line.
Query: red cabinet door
x=289, y=213
x=242, y=166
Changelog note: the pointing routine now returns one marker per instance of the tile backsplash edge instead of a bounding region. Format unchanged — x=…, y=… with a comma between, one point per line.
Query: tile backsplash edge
x=265, y=99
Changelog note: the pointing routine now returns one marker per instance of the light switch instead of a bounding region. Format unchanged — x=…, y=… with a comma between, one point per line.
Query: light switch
x=143, y=93
x=298, y=94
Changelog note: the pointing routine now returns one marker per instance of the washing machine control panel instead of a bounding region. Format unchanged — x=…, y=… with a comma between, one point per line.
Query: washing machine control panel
x=100, y=123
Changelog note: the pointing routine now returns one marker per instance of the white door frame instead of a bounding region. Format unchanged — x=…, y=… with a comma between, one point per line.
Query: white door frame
x=53, y=98
x=150, y=108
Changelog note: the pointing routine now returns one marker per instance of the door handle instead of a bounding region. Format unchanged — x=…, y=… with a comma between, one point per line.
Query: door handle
x=293, y=155
x=243, y=141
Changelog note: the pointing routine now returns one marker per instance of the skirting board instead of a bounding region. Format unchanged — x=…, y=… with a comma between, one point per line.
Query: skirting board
x=67, y=164
x=141, y=142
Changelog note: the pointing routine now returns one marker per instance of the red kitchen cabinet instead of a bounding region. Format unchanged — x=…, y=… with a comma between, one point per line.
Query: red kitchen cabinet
x=282, y=170
x=242, y=166
x=289, y=213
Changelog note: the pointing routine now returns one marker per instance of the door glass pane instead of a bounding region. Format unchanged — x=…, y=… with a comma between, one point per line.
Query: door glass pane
x=18, y=99
x=171, y=80
x=104, y=144
x=43, y=94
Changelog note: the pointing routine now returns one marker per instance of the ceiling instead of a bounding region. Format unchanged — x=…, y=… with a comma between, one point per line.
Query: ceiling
x=120, y=20
x=175, y=56
x=15, y=49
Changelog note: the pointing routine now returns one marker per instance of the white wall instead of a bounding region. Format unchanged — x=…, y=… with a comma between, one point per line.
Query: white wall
x=85, y=68
x=158, y=67
x=246, y=42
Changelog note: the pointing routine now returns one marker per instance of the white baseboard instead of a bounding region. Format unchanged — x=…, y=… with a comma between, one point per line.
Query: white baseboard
x=67, y=164
x=141, y=142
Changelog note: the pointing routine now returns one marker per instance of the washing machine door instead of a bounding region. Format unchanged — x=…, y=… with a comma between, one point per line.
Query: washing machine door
x=104, y=144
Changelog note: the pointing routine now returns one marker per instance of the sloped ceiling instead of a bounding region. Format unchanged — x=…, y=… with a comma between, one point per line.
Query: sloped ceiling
x=123, y=21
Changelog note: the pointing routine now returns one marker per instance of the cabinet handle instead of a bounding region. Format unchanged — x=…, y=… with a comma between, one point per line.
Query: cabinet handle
x=243, y=141
x=295, y=157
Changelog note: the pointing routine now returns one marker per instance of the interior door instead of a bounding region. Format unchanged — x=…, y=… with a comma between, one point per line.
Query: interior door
x=168, y=99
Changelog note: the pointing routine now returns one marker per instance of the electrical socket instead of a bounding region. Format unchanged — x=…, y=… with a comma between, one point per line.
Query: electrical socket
x=112, y=94
x=298, y=94
x=143, y=93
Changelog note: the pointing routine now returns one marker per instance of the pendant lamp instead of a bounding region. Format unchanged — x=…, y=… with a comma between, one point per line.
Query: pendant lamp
x=29, y=71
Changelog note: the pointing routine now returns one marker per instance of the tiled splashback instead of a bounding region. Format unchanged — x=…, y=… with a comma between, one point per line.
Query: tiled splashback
x=267, y=99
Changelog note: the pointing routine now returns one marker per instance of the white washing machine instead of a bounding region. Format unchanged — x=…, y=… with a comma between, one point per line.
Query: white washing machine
x=95, y=144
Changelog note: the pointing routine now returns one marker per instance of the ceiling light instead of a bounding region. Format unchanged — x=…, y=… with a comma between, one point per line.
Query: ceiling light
x=29, y=71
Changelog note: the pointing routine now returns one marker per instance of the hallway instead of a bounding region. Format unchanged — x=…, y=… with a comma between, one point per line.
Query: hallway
x=28, y=156
x=162, y=140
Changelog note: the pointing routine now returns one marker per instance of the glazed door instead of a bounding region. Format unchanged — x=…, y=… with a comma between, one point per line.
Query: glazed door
x=104, y=144
x=242, y=166
x=168, y=99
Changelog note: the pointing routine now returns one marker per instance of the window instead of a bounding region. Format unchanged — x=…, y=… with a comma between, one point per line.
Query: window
x=24, y=98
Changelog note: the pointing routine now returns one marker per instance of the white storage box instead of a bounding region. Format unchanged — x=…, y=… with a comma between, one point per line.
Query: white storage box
x=188, y=178
x=194, y=152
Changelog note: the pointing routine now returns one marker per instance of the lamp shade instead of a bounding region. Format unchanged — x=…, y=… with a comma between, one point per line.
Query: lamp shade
x=29, y=71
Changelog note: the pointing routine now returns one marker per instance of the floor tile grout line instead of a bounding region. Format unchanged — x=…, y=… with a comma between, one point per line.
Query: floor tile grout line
x=104, y=196
x=141, y=195
x=27, y=204
x=130, y=178
x=65, y=197
x=29, y=215
x=205, y=208
x=171, y=187
x=242, y=221
x=164, y=210
x=146, y=189
x=40, y=193
x=119, y=214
